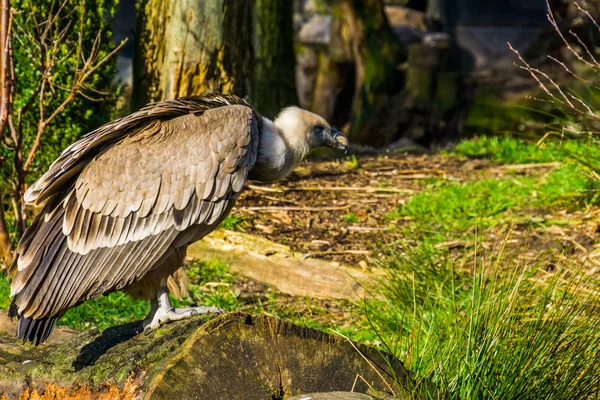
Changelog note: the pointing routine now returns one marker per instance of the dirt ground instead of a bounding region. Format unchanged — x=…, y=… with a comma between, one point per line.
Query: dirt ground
x=336, y=210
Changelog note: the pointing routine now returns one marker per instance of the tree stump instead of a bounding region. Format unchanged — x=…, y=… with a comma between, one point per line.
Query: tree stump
x=233, y=356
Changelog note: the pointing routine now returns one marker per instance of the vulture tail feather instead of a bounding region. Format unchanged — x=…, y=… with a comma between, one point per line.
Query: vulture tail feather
x=35, y=331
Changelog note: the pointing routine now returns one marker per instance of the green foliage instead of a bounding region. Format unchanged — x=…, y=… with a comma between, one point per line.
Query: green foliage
x=115, y=309
x=211, y=284
x=490, y=333
x=81, y=115
x=351, y=218
x=233, y=223
x=352, y=162
x=447, y=206
x=4, y=292
x=506, y=115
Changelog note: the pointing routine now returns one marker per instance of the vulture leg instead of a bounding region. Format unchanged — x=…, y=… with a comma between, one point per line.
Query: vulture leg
x=161, y=311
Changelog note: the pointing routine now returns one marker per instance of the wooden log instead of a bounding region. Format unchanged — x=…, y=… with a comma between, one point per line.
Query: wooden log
x=277, y=265
x=234, y=356
x=333, y=396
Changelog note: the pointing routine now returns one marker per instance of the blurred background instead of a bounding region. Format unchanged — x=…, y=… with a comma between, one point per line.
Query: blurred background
x=390, y=73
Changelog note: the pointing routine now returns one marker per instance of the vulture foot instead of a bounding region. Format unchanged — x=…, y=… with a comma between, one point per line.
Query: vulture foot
x=162, y=316
x=162, y=311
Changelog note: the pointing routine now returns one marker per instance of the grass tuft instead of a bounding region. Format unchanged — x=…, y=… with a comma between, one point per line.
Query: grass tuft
x=489, y=333
x=233, y=223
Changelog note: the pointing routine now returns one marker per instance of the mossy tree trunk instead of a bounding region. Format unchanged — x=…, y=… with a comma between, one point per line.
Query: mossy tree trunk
x=377, y=53
x=189, y=47
x=274, y=78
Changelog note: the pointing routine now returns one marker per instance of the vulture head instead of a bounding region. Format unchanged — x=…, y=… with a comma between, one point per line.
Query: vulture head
x=287, y=140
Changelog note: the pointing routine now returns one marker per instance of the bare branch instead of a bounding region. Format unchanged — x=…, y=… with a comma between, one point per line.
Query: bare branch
x=532, y=73
x=555, y=25
x=590, y=113
x=573, y=74
x=586, y=12
x=584, y=48
x=106, y=58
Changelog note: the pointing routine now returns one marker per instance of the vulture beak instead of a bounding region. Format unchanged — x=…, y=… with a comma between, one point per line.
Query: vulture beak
x=335, y=139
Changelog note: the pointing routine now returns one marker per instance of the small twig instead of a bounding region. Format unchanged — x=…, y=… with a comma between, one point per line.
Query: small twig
x=573, y=74
x=589, y=110
x=273, y=208
x=338, y=253
x=533, y=75
x=586, y=12
x=513, y=167
x=587, y=51
x=265, y=189
x=365, y=229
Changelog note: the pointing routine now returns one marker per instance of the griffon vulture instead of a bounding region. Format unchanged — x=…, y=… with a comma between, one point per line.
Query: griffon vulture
x=120, y=206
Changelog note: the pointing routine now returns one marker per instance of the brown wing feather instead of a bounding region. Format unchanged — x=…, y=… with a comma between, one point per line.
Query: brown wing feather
x=75, y=157
x=111, y=227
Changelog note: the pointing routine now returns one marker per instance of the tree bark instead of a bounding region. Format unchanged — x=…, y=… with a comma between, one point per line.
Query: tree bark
x=6, y=87
x=233, y=356
x=201, y=46
x=377, y=53
x=274, y=76
x=5, y=245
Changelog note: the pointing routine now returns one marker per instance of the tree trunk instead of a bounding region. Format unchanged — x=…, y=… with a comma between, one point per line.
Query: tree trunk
x=377, y=53
x=5, y=245
x=189, y=47
x=6, y=89
x=274, y=77
x=233, y=356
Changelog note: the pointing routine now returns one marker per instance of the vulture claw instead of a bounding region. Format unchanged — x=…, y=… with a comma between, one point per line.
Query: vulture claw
x=163, y=316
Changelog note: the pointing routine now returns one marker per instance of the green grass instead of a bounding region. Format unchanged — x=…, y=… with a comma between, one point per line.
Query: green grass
x=511, y=150
x=490, y=333
x=455, y=208
x=352, y=162
x=351, y=218
x=115, y=309
x=450, y=208
x=233, y=223
x=211, y=284
x=481, y=324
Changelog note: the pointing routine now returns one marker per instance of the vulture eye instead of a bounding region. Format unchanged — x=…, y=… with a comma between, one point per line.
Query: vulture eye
x=318, y=130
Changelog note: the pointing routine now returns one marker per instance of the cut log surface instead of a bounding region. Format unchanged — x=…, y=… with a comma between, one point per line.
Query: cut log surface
x=277, y=265
x=233, y=356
